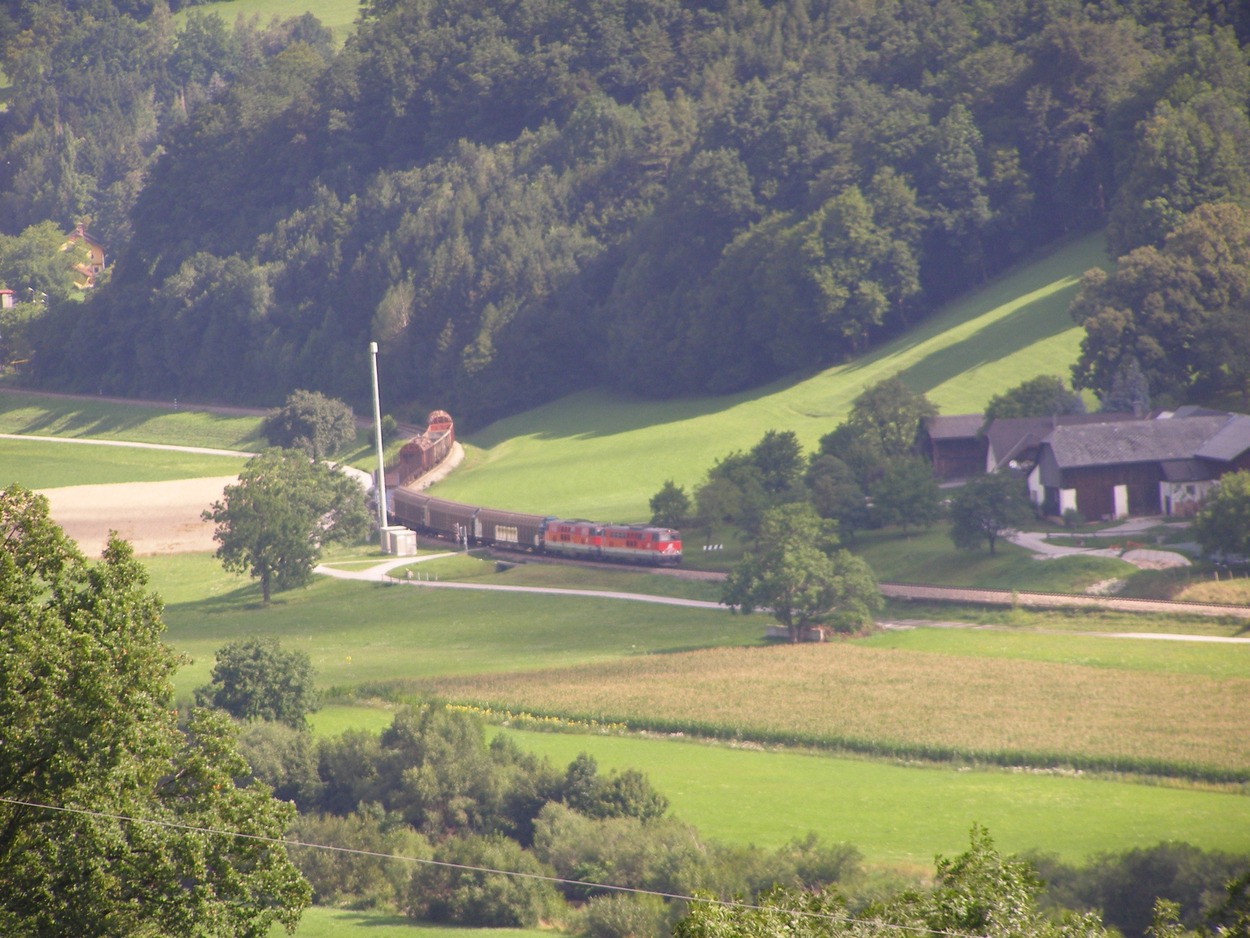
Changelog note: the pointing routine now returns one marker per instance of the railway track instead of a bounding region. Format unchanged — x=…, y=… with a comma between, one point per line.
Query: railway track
x=954, y=594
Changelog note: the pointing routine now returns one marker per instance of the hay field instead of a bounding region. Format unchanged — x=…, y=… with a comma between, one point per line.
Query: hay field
x=891, y=702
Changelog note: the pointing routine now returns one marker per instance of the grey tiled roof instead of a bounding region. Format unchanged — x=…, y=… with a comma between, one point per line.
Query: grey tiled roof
x=1185, y=470
x=1229, y=442
x=1132, y=441
x=954, y=426
x=1010, y=437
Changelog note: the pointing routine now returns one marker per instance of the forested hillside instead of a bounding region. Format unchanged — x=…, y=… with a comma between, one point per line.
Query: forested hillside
x=518, y=199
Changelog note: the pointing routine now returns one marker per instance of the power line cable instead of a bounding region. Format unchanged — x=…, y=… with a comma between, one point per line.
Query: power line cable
x=465, y=867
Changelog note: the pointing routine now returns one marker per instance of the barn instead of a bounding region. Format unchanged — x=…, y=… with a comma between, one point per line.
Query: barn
x=1138, y=467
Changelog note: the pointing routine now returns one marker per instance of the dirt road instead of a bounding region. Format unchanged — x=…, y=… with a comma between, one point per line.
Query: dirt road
x=155, y=517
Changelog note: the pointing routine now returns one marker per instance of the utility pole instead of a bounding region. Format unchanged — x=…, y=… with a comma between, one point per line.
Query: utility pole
x=380, y=489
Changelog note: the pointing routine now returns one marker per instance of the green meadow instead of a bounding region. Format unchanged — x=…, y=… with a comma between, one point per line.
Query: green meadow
x=905, y=814
x=85, y=418
x=318, y=922
x=374, y=644
x=44, y=464
x=338, y=15
x=927, y=557
x=594, y=454
x=367, y=634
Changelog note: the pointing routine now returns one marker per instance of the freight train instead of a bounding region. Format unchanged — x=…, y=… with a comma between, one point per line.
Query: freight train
x=544, y=534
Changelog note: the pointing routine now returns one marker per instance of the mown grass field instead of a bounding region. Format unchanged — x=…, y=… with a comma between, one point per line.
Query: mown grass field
x=47, y=415
x=45, y=465
x=361, y=634
x=39, y=415
x=903, y=815
x=596, y=455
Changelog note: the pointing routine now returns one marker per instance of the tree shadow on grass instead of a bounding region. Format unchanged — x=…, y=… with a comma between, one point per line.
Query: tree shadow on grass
x=1033, y=322
x=245, y=598
x=82, y=417
x=1041, y=290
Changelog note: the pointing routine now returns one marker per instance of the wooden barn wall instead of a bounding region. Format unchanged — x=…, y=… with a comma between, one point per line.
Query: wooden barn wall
x=1095, y=487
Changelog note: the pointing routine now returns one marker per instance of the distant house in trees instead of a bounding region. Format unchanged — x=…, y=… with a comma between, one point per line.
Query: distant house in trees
x=1102, y=465
x=6, y=299
x=94, y=264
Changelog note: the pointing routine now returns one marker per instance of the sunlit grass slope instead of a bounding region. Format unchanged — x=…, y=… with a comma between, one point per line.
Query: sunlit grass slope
x=44, y=464
x=338, y=15
x=78, y=417
x=599, y=455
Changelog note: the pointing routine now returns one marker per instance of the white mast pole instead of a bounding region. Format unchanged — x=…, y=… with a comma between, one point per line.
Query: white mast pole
x=377, y=438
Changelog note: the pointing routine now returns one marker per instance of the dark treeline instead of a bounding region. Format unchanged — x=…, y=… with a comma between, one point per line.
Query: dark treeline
x=665, y=196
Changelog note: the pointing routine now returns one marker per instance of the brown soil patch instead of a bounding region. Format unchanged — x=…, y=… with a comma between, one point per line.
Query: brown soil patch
x=155, y=517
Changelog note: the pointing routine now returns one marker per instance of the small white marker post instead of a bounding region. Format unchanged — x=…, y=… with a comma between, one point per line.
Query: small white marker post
x=380, y=489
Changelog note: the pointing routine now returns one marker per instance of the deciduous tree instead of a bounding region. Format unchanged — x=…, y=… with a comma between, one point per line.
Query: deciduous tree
x=255, y=679
x=312, y=422
x=801, y=576
x=907, y=495
x=978, y=893
x=987, y=508
x=890, y=412
x=670, y=506
x=1223, y=523
x=274, y=522
x=1043, y=396
x=105, y=798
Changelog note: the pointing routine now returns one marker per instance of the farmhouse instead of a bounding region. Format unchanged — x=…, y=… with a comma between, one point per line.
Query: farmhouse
x=1142, y=467
x=961, y=445
x=94, y=264
x=1102, y=465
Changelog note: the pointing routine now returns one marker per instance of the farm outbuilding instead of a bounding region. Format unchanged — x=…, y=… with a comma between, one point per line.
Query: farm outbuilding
x=1141, y=467
x=1102, y=465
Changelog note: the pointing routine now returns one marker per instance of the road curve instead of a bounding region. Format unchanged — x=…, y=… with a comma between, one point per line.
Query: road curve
x=380, y=574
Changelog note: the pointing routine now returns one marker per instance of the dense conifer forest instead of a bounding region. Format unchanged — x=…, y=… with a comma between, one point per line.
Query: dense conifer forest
x=667, y=197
